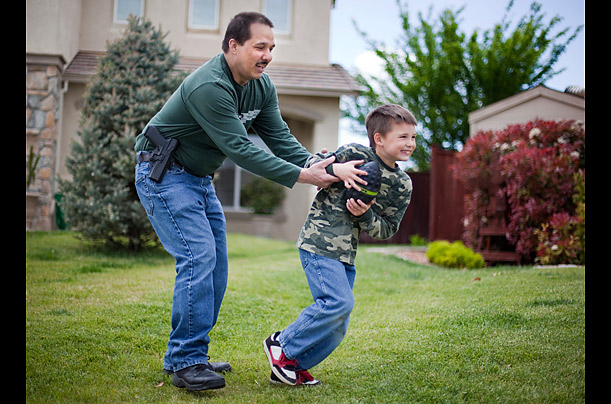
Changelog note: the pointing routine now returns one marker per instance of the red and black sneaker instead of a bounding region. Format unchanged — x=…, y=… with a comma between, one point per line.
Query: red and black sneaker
x=303, y=378
x=306, y=379
x=285, y=369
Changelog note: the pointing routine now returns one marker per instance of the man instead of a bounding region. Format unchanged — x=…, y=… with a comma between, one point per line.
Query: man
x=209, y=114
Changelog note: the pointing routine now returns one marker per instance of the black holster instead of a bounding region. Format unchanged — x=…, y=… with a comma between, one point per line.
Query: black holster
x=162, y=155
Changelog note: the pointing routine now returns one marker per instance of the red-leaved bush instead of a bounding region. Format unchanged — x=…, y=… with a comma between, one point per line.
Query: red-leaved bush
x=533, y=167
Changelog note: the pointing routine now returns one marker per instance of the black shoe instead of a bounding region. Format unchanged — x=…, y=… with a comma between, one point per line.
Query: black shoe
x=198, y=377
x=218, y=367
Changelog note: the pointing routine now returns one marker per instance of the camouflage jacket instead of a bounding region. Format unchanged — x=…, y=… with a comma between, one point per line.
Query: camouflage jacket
x=332, y=231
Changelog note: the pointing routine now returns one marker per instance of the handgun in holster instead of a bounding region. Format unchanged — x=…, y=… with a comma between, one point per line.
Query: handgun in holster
x=162, y=155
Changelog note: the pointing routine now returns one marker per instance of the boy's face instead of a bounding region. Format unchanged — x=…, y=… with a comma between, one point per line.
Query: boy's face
x=397, y=145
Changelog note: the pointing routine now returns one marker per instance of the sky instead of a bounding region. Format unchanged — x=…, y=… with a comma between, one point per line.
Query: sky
x=380, y=20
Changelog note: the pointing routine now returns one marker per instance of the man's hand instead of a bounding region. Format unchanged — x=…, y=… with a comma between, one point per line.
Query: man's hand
x=350, y=174
x=358, y=207
x=317, y=174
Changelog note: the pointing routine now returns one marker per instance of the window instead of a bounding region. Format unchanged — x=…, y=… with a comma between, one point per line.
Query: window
x=123, y=8
x=204, y=14
x=231, y=178
x=228, y=186
x=279, y=12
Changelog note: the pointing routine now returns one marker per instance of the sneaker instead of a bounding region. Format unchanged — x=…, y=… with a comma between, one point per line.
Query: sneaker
x=285, y=369
x=303, y=378
x=274, y=379
x=198, y=377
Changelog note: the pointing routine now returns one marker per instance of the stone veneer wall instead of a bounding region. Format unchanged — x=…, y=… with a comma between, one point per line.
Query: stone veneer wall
x=42, y=117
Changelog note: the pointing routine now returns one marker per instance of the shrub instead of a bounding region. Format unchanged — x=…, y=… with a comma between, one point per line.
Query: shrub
x=262, y=195
x=536, y=164
x=416, y=240
x=453, y=255
x=558, y=242
x=562, y=240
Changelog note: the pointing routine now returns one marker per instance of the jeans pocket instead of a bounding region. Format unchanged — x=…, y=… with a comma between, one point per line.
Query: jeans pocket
x=142, y=187
x=304, y=256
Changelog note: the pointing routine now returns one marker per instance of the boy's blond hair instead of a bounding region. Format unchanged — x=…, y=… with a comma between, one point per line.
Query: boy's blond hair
x=380, y=120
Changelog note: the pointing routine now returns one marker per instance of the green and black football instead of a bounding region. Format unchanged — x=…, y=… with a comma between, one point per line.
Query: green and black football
x=374, y=180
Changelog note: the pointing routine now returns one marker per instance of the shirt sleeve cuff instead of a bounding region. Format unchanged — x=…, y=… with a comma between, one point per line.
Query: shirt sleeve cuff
x=365, y=216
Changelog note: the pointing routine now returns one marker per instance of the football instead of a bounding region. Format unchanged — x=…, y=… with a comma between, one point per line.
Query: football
x=374, y=180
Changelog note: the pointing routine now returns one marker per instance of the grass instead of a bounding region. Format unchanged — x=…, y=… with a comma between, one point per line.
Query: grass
x=97, y=324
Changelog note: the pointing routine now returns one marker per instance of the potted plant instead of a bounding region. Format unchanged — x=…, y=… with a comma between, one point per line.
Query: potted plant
x=264, y=197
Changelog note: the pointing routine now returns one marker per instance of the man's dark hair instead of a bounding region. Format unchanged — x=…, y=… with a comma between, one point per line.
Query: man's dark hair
x=239, y=27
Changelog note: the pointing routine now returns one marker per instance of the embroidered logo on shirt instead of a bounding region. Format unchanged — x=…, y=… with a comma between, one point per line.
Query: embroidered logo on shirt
x=249, y=116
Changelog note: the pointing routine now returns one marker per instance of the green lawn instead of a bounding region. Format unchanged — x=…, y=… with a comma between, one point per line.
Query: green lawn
x=97, y=324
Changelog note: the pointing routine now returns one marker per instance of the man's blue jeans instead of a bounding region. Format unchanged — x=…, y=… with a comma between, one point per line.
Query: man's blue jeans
x=189, y=221
x=321, y=326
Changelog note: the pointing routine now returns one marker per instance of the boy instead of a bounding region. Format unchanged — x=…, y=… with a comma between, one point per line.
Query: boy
x=328, y=241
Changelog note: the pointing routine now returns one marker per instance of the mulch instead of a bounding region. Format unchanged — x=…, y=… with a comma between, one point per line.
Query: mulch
x=413, y=254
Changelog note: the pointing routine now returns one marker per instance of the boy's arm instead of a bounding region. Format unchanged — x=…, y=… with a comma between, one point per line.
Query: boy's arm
x=381, y=227
x=385, y=224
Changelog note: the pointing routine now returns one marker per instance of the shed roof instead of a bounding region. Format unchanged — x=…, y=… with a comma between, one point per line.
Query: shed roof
x=576, y=100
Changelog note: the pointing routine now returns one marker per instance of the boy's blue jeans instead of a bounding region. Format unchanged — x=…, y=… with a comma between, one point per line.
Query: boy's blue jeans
x=189, y=221
x=321, y=326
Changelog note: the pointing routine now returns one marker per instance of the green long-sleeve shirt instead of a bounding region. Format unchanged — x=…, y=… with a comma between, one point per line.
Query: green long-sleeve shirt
x=210, y=114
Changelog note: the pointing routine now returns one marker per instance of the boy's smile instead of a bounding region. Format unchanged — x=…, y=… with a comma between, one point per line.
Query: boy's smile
x=397, y=145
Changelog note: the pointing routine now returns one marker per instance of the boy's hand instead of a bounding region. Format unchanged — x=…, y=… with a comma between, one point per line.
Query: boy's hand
x=317, y=174
x=357, y=207
x=348, y=173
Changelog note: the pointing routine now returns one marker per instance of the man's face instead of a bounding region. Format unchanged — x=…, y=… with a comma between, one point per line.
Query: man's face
x=253, y=55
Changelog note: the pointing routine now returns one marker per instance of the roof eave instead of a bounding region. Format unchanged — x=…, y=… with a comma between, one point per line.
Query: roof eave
x=303, y=80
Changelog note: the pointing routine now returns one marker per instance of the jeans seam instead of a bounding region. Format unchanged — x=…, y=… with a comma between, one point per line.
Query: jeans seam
x=147, y=189
x=190, y=261
x=176, y=231
x=316, y=315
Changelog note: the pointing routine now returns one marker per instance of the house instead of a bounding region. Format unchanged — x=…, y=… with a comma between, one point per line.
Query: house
x=64, y=39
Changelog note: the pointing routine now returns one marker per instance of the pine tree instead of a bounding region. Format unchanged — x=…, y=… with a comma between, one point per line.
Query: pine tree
x=134, y=78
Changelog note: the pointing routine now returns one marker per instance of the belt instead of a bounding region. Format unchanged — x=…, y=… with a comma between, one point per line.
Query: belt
x=146, y=156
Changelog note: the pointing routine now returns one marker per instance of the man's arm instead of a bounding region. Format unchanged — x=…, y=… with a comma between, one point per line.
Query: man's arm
x=270, y=126
x=215, y=111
